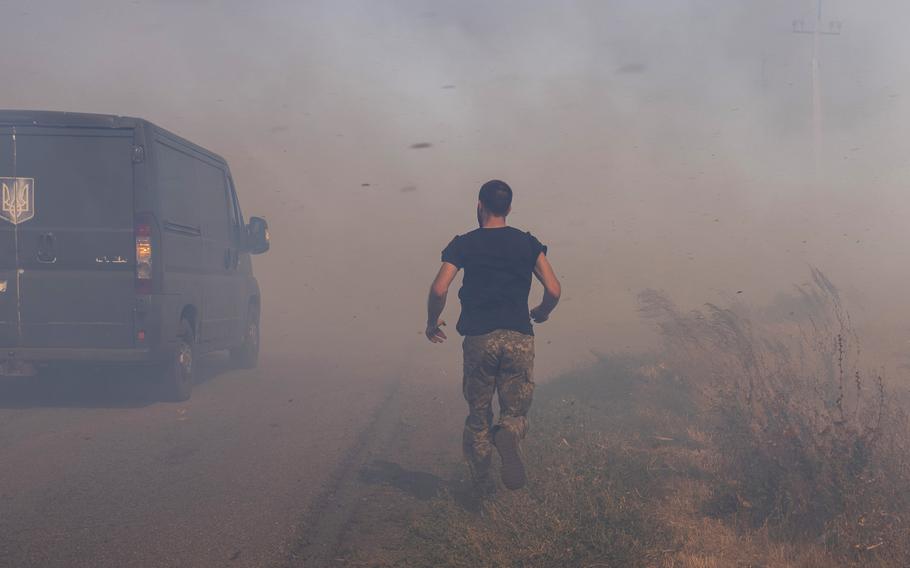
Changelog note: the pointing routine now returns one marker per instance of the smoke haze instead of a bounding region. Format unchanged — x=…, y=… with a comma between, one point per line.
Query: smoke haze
x=661, y=145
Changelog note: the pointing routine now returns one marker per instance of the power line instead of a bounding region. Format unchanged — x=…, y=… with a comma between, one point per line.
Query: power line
x=834, y=27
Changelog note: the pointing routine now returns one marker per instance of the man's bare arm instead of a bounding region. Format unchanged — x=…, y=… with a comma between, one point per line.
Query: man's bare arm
x=551, y=289
x=436, y=301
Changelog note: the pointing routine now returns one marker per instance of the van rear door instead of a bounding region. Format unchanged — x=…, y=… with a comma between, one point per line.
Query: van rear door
x=75, y=248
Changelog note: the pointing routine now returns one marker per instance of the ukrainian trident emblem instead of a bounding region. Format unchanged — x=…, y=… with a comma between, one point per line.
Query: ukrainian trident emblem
x=18, y=203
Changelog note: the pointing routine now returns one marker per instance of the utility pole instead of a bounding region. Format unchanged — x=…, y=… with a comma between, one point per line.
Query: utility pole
x=833, y=28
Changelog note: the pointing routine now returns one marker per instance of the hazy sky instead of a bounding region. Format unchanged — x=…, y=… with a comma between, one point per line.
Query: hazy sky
x=663, y=144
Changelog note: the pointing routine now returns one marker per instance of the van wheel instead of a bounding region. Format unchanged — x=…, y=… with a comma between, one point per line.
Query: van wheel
x=246, y=356
x=180, y=371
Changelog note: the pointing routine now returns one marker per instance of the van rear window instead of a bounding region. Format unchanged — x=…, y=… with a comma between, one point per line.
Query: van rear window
x=82, y=180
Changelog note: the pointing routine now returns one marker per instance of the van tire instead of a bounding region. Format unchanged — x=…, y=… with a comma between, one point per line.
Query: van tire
x=179, y=373
x=246, y=355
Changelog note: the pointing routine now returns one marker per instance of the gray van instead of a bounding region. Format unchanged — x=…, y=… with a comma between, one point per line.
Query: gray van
x=121, y=242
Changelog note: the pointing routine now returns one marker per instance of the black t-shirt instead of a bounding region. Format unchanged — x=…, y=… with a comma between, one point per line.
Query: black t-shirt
x=497, y=264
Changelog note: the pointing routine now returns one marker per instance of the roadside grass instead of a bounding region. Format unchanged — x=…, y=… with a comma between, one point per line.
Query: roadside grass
x=585, y=504
x=813, y=448
x=745, y=443
x=622, y=470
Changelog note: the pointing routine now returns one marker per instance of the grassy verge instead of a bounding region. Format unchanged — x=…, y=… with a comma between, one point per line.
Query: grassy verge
x=585, y=505
x=747, y=443
x=813, y=449
x=622, y=473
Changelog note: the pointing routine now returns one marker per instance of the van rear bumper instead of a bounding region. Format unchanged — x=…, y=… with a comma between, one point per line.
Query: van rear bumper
x=51, y=354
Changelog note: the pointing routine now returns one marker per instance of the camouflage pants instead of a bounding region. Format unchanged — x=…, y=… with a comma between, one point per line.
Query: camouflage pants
x=502, y=361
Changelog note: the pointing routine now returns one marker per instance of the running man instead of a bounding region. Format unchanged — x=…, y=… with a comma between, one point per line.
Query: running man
x=498, y=261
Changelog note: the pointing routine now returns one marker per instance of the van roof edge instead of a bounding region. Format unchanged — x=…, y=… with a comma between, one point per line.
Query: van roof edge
x=67, y=119
x=63, y=118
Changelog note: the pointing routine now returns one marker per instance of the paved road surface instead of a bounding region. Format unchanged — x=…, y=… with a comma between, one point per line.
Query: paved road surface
x=96, y=473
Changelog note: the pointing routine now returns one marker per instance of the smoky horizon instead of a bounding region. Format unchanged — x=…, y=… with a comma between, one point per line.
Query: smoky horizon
x=668, y=146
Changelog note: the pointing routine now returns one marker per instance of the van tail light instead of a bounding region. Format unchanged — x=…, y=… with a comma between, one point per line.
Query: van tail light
x=143, y=257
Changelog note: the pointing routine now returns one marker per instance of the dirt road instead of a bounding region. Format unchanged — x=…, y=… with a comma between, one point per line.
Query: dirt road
x=263, y=468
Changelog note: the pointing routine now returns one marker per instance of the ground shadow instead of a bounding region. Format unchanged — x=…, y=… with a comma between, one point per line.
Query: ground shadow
x=96, y=387
x=418, y=484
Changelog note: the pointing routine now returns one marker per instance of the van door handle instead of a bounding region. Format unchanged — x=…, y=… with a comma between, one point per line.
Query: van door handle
x=47, y=248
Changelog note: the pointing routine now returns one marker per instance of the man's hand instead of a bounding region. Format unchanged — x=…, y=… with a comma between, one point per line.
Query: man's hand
x=434, y=332
x=539, y=315
x=436, y=301
x=551, y=289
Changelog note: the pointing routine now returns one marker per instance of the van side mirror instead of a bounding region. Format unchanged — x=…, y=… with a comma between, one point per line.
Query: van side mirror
x=257, y=236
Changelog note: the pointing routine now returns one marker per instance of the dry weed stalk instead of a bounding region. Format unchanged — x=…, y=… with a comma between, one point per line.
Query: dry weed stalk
x=811, y=446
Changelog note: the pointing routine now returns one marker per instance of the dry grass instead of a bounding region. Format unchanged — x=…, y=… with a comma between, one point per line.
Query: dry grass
x=584, y=506
x=743, y=445
x=812, y=450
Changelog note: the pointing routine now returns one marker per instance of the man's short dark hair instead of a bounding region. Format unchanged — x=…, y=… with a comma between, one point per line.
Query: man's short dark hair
x=496, y=197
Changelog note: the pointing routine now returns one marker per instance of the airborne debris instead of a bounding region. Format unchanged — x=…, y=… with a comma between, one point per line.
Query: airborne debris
x=632, y=68
x=421, y=145
x=408, y=189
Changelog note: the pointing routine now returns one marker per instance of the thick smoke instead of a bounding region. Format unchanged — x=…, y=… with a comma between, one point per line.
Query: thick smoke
x=651, y=144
